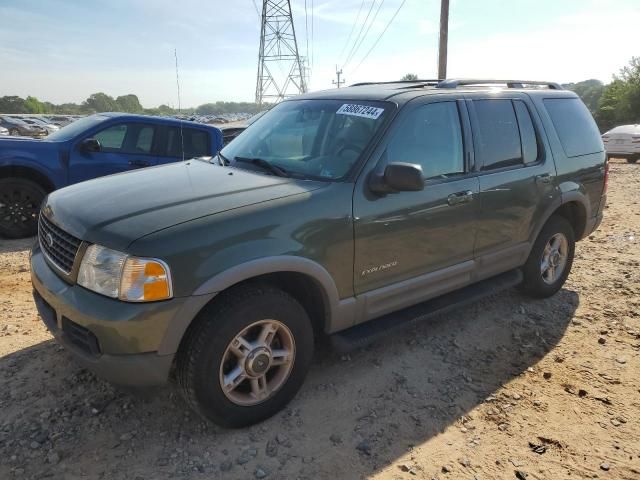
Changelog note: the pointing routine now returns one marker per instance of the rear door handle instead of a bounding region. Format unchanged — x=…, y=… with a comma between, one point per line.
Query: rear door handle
x=139, y=163
x=543, y=178
x=460, y=197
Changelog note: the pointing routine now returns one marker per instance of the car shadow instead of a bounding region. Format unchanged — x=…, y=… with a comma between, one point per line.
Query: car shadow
x=355, y=413
x=19, y=245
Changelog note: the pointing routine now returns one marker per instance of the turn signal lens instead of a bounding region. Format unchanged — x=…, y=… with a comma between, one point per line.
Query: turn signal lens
x=145, y=280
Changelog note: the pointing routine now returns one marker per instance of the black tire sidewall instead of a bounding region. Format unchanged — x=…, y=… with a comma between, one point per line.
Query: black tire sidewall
x=36, y=191
x=224, y=325
x=533, y=283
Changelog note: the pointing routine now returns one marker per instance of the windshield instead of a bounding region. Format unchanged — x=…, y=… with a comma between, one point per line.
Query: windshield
x=75, y=128
x=317, y=139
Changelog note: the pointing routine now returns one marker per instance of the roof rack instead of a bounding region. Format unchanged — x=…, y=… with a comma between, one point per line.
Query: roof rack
x=433, y=81
x=455, y=83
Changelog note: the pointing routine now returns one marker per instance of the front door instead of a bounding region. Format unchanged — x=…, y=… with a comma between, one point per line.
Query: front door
x=411, y=246
x=123, y=146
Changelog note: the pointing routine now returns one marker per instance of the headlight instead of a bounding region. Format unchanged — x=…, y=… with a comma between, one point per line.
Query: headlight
x=118, y=275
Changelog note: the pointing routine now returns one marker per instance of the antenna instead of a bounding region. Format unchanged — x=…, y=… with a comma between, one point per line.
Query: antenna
x=175, y=54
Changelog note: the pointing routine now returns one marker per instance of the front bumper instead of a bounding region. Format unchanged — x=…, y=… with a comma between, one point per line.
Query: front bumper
x=126, y=343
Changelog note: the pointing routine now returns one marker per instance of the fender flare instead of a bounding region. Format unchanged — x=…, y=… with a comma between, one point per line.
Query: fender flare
x=334, y=307
x=566, y=197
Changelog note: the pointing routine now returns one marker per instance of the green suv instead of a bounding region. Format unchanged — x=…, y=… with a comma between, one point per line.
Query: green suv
x=329, y=216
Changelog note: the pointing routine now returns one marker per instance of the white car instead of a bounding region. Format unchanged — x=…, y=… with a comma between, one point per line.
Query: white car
x=3, y=131
x=623, y=142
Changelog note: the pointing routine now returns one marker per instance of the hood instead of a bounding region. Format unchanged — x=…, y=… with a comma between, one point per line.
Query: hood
x=23, y=147
x=118, y=209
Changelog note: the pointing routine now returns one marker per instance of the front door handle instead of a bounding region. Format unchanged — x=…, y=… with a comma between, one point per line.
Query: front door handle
x=460, y=197
x=543, y=178
x=139, y=163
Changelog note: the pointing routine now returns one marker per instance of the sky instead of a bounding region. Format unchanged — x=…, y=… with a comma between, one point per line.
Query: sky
x=64, y=50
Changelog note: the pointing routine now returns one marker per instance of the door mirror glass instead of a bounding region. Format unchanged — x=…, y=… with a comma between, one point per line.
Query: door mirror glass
x=398, y=177
x=91, y=145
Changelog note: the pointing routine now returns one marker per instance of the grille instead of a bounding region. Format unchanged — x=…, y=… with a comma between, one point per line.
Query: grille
x=80, y=337
x=60, y=247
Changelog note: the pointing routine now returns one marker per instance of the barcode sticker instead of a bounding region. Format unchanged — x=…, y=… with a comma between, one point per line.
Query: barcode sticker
x=360, y=111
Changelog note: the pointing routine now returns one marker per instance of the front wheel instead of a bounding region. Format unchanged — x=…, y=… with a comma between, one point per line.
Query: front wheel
x=20, y=202
x=550, y=260
x=246, y=356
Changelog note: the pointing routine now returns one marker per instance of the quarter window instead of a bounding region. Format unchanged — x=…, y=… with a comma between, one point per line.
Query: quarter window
x=430, y=136
x=496, y=137
x=576, y=128
x=527, y=133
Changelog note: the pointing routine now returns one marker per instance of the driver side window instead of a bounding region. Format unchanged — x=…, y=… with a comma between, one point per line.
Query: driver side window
x=430, y=136
x=134, y=138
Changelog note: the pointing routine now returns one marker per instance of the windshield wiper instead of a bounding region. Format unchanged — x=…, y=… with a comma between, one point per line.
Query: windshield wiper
x=260, y=162
x=222, y=160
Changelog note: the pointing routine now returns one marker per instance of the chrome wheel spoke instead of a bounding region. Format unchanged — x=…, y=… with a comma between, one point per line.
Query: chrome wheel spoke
x=266, y=335
x=259, y=387
x=280, y=357
x=234, y=378
x=240, y=347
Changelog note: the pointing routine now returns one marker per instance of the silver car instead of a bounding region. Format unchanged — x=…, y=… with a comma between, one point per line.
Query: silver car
x=623, y=142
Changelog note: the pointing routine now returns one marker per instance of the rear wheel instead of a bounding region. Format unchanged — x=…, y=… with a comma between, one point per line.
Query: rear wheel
x=20, y=201
x=246, y=357
x=550, y=260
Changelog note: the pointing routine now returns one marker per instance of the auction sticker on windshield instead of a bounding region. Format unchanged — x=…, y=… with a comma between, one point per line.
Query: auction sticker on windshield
x=360, y=111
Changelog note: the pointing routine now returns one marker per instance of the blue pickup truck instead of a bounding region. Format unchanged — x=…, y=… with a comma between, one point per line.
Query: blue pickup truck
x=91, y=147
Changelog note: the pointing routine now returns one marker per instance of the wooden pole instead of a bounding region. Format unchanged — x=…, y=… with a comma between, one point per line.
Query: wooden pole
x=444, y=38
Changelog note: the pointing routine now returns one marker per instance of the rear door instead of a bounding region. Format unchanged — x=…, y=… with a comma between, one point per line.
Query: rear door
x=516, y=179
x=124, y=146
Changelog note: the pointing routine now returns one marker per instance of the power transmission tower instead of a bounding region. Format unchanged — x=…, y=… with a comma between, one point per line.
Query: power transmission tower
x=444, y=39
x=338, y=82
x=281, y=72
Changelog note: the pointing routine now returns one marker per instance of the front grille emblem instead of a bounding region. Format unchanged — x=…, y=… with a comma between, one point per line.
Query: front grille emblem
x=49, y=238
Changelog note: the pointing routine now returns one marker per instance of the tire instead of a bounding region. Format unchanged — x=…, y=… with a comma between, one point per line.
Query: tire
x=204, y=360
x=541, y=284
x=20, y=202
x=14, y=132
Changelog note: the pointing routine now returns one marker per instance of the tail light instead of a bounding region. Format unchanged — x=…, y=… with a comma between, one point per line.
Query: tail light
x=606, y=176
x=635, y=139
x=605, y=139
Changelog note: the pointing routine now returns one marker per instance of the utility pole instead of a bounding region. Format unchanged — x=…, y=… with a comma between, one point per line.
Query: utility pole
x=278, y=48
x=444, y=38
x=338, y=82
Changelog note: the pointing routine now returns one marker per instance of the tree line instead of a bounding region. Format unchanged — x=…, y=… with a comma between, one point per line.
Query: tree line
x=616, y=103
x=101, y=102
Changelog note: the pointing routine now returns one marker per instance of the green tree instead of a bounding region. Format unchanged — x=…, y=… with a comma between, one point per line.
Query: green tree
x=129, y=103
x=409, y=77
x=620, y=101
x=101, y=102
x=34, y=105
x=13, y=104
x=590, y=91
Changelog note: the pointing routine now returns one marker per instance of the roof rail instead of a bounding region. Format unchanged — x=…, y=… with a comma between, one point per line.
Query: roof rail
x=455, y=83
x=433, y=81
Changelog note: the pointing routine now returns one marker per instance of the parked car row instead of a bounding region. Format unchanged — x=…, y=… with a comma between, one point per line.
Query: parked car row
x=34, y=126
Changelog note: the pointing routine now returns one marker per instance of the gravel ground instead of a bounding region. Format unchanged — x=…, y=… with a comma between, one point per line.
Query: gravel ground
x=505, y=388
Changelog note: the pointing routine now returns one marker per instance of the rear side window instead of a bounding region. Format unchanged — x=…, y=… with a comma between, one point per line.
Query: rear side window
x=575, y=126
x=527, y=133
x=496, y=137
x=131, y=138
x=196, y=143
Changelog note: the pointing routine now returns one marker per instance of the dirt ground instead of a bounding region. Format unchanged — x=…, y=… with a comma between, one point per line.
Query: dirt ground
x=505, y=388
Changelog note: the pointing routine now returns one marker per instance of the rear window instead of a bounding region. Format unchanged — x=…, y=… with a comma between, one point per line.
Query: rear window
x=574, y=124
x=196, y=142
x=497, y=137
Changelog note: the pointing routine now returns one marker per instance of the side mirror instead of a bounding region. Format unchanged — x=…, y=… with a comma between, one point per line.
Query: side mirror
x=90, y=145
x=398, y=177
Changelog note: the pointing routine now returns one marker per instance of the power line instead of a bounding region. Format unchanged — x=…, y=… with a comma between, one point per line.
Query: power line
x=306, y=27
x=312, y=30
x=360, y=33
x=380, y=36
x=353, y=27
x=255, y=5
x=373, y=20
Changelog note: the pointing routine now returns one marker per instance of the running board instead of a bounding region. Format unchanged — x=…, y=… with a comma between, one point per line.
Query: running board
x=363, y=334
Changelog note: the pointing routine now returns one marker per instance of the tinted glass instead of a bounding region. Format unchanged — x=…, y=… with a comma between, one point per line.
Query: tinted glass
x=527, y=132
x=496, y=136
x=575, y=126
x=431, y=137
x=76, y=128
x=196, y=143
x=132, y=138
x=320, y=139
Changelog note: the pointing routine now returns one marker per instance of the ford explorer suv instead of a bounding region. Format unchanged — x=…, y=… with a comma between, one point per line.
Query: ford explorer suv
x=91, y=147
x=330, y=216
